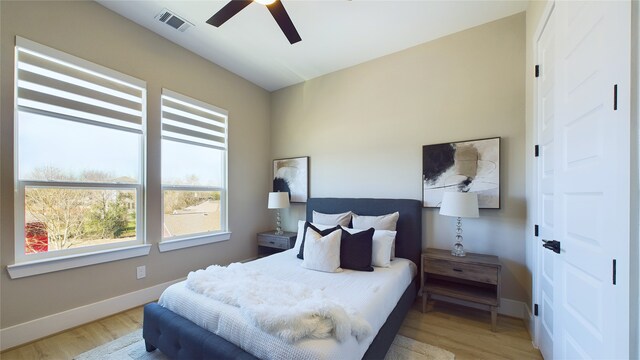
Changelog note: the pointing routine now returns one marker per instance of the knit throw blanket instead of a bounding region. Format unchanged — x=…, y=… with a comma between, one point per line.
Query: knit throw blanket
x=288, y=310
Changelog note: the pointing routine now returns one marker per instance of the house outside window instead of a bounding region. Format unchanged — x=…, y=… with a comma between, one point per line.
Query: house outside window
x=80, y=153
x=194, y=168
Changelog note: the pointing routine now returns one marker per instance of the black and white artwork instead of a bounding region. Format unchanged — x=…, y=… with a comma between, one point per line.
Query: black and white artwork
x=467, y=166
x=292, y=175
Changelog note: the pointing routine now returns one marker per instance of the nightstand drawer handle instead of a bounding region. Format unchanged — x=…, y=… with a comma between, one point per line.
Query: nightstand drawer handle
x=458, y=270
x=272, y=242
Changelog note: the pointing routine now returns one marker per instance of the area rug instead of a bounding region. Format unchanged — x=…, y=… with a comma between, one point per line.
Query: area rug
x=131, y=347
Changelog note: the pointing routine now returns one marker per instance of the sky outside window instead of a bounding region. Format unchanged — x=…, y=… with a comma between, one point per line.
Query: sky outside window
x=74, y=148
x=185, y=164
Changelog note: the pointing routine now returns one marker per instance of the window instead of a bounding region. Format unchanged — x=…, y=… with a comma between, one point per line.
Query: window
x=194, y=168
x=79, y=145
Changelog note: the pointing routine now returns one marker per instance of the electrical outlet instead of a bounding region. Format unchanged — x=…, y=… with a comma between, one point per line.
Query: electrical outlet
x=141, y=271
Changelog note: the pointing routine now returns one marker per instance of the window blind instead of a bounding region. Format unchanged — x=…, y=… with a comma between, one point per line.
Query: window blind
x=61, y=84
x=191, y=121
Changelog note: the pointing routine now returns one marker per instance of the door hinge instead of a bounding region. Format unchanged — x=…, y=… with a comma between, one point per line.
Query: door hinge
x=537, y=150
x=537, y=71
x=535, y=309
x=535, y=230
x=614, y=271
x=615, y=97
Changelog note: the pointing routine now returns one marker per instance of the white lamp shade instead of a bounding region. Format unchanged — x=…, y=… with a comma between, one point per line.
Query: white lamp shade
x=278, y=200
x=460, y=204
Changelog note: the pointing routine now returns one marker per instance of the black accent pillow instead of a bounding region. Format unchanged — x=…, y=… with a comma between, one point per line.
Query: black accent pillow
x=321, y=232
x=355, y=250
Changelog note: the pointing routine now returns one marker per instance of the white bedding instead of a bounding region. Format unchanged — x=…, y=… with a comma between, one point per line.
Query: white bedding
x=373, y=294
x=287, y=309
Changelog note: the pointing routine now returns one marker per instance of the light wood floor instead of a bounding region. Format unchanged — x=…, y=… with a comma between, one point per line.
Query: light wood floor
x=464, y=331
x=74, y=342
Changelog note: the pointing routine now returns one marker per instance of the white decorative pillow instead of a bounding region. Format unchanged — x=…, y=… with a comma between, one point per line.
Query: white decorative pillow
x=300, y=234
x=382, y=222
x=322, y=253
x=342, y=219
x=381, y=249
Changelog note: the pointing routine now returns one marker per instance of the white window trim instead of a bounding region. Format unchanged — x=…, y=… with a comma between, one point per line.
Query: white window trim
x=190, y=240
x=193, y=240
x=44, y=266
x=89, y=255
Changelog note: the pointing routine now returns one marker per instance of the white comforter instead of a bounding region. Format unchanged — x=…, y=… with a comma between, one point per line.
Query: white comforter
x=372, y=294
x=287, y=309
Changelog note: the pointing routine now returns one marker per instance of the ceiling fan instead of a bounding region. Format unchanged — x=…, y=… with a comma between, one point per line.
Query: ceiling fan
x=275, y=7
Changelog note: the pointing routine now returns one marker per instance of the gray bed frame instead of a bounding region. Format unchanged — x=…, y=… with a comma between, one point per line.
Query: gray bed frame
x=179, y=338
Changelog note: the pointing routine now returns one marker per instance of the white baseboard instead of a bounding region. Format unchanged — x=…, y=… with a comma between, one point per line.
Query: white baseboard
x=36, y=329
x=507, y=307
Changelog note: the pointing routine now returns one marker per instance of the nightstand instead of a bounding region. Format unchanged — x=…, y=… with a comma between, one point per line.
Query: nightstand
x=474, y=278
x=270, y=243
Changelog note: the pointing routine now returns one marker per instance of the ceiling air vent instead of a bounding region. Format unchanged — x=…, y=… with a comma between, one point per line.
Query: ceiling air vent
x=173, y=20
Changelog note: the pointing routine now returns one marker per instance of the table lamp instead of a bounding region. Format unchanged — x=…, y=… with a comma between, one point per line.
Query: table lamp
x=278, y=200
x=459, y=204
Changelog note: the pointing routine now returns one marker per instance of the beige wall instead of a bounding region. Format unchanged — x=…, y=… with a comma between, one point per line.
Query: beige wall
x=364, y=128
x=90, y=31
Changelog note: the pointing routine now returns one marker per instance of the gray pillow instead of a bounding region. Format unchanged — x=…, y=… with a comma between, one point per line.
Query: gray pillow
x=332, y=219
x=382, y=222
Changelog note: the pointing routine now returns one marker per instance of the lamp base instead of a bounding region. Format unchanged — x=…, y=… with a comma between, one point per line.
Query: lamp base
x=458, y=250
x=278, y=227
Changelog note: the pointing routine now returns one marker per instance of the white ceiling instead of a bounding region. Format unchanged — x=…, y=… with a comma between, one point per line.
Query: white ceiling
x=335, y=33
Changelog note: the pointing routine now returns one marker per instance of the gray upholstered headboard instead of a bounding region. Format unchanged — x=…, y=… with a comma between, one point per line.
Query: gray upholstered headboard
x=409, y=227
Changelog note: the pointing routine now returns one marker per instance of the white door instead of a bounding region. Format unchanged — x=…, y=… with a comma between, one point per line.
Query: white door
x=591, y=180
x=545, y=172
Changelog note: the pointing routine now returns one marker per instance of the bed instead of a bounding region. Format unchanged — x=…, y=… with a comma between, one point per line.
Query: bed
x=182, y=338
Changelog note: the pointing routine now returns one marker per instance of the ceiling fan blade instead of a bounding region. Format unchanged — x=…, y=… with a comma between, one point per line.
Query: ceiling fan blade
x=227, y=12
x=284, y=21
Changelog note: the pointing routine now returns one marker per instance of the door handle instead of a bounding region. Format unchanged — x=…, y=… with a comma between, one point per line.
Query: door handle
x=552, y=245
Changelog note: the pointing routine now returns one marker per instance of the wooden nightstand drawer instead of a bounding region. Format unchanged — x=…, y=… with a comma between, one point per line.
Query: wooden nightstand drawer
x=473, y=272
x=270, y=243
x=273, y=241
x=474, y=278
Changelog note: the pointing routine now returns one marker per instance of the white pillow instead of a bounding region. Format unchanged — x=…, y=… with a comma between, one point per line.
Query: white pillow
x=322, y=253
x=382, y=222
x=332, y=219
x=381, y=249
x=300, y=234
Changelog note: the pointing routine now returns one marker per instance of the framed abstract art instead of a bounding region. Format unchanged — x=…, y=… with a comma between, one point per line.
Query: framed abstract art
x=292, y=176
x=465, y=166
